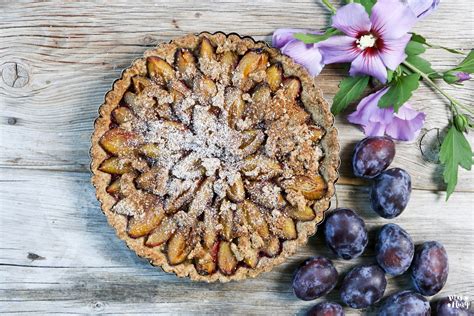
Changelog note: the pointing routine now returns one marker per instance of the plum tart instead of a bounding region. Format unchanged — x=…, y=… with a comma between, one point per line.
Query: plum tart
x=214, y=157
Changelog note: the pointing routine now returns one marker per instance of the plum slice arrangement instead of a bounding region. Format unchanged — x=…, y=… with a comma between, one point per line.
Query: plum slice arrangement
x=213, y=158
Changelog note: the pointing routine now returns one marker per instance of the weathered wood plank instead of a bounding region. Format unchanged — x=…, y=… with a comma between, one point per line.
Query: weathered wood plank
x=73, y=52
x=86, y=268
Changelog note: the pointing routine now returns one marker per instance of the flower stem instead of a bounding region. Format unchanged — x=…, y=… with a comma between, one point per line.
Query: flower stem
x=329, y=6
x=451, y=50
x=425, y=77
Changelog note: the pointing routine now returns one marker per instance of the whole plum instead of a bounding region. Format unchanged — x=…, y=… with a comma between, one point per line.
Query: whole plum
x=430, y=268
x=345, y=233
x=391, y=192
x=372, y=155
x=394, y=249
x=363, y=286
x=326, y=309
x=405, y=303
x=314, y=278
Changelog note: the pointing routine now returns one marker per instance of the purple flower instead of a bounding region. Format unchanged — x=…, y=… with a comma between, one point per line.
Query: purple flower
x=404, y=125
x=463, y=76
x=422, y=8
x=307, y=55
x=373, y=43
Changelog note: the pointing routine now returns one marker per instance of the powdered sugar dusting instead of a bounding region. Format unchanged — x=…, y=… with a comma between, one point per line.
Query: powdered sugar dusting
x=220, y=138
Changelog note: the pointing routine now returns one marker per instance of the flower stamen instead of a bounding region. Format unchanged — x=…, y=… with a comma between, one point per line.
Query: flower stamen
x=366, y=41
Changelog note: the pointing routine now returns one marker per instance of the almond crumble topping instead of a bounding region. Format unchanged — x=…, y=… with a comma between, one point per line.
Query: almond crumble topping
x=213, y=158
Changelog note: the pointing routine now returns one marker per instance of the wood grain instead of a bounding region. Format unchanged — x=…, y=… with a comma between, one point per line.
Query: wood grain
x=84, y=263
x=73, y=54
x=70, y=54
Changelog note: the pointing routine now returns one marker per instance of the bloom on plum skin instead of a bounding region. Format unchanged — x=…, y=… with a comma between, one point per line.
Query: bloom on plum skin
x=390, y=192
x=314, y=278
x=326, y=308
x=363, y=286
x=372, y=156
x=307, y=55
x=345, y=233
x=430, y=268
x=394, y=249
x=404, y=125
x=372, y=44
x=405, y=303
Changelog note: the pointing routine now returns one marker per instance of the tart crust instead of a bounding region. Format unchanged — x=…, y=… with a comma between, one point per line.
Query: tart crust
x=313, y=102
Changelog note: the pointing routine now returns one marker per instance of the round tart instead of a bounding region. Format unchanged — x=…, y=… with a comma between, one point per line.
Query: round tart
x=214, y=156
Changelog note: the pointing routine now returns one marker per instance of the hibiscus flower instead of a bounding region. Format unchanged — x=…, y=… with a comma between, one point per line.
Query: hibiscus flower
x=371, y=44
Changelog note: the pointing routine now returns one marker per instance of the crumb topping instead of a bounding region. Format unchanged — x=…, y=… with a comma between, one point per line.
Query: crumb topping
x=214, y=159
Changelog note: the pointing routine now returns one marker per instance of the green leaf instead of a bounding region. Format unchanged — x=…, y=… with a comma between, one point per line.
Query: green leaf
x=350, y=89
x=467, y=65
x=316, y=38
x=400, y=91
x=419, y=38
x=367, y=4
x=455, y=151
x=422, y=64
x=414, y=48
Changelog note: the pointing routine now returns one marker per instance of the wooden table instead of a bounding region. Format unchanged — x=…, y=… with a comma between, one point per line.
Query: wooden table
x=57, y=252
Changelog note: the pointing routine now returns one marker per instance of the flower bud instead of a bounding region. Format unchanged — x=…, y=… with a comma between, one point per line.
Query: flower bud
x=461, y=123
x=456, y=77
x=463, y=76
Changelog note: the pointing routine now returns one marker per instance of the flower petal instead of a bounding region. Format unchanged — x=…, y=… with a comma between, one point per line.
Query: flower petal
x=369, y=64
x=406, y=112
x=338, y=49
x=406, y=124
x=422, y=8
x=366, y=108
x=374, y=129
x=384, y=116
x=393, y=51
x=282, y=36
x=352, y=19
x=372, y=118
x=307, y=55
x=392, y=19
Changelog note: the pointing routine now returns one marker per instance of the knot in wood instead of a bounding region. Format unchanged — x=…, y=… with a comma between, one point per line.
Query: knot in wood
x=98, y=306
x=14, y=74
x=148, y=40
x=11, y=121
